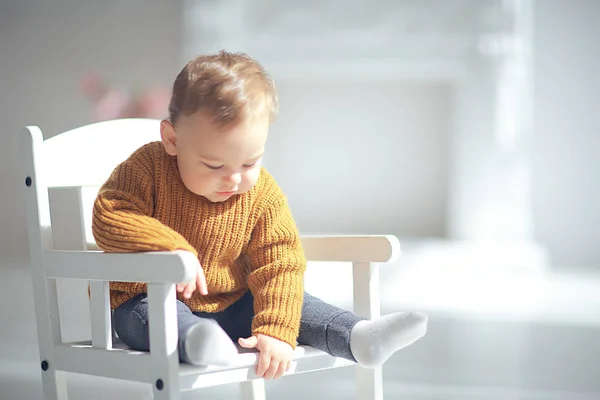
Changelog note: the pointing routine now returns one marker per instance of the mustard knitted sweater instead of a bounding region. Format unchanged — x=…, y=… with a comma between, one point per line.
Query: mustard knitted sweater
x=249, y=241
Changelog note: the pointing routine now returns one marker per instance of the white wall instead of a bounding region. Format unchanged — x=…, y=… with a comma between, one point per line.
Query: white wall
x=565, y=165
x=364, y=156
x=45, y=47
x=566, y=146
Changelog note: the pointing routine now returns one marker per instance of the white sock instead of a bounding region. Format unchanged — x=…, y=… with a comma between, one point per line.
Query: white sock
x=208, y=344
x=372, y=342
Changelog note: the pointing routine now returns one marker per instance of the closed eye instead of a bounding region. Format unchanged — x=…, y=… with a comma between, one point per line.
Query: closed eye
x=214, y=168
x=249, y=165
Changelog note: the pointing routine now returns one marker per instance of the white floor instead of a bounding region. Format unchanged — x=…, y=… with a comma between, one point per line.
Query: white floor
x=498, y=333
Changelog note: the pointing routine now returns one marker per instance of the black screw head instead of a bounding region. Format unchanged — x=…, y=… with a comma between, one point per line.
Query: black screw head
x=28, y=181
x=44, y=365
x=159, y=384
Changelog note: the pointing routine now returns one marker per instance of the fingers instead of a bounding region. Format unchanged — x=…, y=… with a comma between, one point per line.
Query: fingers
x=284, y=366
x=189, y=289
x=273, y=369
x=201, y=282
x=277, y=369
x=248, y=343
x=264, y=362
x=273, y=361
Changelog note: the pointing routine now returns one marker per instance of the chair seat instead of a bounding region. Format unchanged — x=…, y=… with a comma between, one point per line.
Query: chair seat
x=305, y=359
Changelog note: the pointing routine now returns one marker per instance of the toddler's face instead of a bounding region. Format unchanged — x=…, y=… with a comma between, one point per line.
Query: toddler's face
x=216, y=162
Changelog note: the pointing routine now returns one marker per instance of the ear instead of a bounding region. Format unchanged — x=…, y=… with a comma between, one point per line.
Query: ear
x=169, y=137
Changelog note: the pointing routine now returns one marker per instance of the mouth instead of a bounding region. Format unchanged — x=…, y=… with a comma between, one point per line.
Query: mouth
x=225, y=193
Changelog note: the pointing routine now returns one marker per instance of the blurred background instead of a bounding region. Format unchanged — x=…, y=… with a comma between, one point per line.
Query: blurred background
x=468, y=128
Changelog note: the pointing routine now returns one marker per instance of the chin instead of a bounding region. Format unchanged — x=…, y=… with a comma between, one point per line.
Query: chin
x=217, y=199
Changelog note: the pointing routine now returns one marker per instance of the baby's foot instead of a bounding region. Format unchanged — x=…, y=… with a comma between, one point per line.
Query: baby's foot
x=372, y=342
x=207, y=344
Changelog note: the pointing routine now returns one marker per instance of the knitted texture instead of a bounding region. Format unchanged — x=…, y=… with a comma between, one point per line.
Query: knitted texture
x=249, y=241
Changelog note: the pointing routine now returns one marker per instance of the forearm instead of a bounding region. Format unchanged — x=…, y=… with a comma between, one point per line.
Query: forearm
x=118, y=226
x=277, y=270
x=278, y=296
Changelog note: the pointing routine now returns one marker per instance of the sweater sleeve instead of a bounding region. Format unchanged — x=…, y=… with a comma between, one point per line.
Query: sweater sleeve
x=277, y=272
x=122, y=216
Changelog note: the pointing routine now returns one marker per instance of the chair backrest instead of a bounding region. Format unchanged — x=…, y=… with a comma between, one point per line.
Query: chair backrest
x=87, y=155
x=80, y=157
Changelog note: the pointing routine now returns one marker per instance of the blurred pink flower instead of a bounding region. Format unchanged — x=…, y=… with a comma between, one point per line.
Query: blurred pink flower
x=110, y=102
x=153, y=103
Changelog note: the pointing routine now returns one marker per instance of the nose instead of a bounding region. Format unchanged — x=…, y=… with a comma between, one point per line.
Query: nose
x=233, y=179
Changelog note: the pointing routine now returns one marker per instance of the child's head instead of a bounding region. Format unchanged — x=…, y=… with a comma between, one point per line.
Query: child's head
x=219, y=117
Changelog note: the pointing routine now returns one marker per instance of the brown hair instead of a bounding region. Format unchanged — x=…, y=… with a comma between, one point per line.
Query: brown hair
x=229, y=86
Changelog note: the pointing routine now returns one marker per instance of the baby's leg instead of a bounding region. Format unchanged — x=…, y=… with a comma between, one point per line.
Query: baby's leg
x=201, y=340
x=326, y=327
x=368, y=342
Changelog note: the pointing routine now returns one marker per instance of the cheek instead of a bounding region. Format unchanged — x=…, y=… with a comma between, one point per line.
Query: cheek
x=195, y=177
x=251, y=177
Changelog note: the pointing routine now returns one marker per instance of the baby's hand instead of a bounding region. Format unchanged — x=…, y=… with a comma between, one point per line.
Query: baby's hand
x=275, y=355
x=199, y=283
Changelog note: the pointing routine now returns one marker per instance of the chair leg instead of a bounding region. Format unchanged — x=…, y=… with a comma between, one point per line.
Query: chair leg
x=254, y=390
x=54, y=385
x=369, y=383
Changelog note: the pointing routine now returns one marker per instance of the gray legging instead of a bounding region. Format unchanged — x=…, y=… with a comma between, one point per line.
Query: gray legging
x=322, y=325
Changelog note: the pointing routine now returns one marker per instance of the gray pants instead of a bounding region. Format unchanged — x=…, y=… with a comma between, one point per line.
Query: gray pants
x=322, y=325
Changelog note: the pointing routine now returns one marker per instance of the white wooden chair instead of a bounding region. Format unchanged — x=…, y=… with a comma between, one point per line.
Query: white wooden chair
x=61, y=177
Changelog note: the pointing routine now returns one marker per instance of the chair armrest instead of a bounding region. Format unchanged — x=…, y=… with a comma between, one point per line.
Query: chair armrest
x=375, y=248
x=148, y=267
